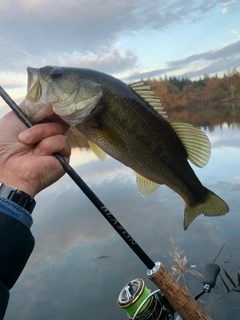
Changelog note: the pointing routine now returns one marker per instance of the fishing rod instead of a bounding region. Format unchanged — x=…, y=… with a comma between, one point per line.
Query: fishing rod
x=84, y=187
x=140, y=303
x=184, y=304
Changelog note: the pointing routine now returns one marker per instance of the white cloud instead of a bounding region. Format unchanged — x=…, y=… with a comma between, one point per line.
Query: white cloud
x=237, y=179
x=212, y=61
x=226, y=6
x=39, y=30
x=88, y=33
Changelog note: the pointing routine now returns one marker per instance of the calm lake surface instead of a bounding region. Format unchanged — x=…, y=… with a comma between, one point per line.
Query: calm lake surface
x=80, y=264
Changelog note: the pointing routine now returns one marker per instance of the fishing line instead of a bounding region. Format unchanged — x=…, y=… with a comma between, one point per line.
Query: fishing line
x=85, y=189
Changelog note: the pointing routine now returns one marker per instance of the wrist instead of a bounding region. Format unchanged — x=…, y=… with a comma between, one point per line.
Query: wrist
x=13, y=180
x=17, y=196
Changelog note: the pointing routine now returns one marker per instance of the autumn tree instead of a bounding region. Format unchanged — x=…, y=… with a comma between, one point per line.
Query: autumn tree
x=178, y=93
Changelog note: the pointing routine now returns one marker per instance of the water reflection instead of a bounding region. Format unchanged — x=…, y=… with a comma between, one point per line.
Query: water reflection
x=80, y=264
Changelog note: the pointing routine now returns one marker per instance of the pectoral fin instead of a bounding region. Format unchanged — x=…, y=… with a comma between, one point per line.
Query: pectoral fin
x=108, y=134
x=195, y=142
x=145, y=187
x=97, y=151
x=76, y=139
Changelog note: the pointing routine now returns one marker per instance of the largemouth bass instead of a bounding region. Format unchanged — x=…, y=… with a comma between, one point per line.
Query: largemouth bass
x=129, y=124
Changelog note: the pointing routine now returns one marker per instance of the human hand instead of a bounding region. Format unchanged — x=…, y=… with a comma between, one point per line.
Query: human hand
x=26, y=160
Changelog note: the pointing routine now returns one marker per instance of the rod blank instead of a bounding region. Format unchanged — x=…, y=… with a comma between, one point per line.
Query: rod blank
x=85, y=189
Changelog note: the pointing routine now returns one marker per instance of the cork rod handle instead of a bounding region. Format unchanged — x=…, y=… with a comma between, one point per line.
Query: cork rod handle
x=183, y=303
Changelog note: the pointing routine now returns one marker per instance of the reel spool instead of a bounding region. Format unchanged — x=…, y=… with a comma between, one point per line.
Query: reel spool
x=140, y=304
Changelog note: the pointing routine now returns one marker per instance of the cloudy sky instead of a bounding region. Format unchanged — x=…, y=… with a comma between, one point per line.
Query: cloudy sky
x=128, y=39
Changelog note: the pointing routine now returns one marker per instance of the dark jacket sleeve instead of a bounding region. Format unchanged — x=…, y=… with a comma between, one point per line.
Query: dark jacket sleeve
x=16, y=245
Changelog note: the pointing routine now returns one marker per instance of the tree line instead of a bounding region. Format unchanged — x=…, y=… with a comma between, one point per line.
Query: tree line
x=179, y=93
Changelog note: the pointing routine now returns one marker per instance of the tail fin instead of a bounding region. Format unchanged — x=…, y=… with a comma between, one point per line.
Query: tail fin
x=212, y=206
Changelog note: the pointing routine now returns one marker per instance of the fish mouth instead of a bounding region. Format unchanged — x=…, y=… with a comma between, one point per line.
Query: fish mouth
x=34, y=85
x=33, y=76
x=36, y=105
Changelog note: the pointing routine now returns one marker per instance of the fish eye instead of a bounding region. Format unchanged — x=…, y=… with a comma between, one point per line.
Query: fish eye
x=56, y=74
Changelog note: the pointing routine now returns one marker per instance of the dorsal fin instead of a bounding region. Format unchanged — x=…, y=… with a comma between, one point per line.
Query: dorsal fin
x=97, y=151
x=195, y=142
x=147, y=95
x=145, y=187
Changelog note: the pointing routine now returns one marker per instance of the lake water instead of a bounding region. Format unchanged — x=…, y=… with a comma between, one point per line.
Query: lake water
x=79, y=264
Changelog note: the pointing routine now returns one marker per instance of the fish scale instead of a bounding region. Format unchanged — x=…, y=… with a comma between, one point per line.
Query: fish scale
x=144, y=152
x=129, y=124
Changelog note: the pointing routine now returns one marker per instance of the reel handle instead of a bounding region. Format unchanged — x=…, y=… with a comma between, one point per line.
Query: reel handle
x=182, y=302
x=210, y=276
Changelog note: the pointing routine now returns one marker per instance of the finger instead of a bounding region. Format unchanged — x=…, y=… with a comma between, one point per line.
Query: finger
x=41, y=131
x=55, y=118
x=22, y=105
x=53, y=144
x=51, y=118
